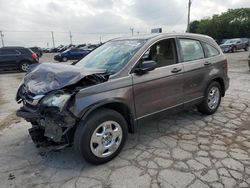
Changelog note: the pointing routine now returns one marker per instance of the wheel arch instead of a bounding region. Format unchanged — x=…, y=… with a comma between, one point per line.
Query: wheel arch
x=221, y=82
x=24, y=60
x=118, y=106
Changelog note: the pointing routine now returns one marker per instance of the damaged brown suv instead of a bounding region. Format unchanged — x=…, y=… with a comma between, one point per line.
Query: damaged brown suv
x=93, y=104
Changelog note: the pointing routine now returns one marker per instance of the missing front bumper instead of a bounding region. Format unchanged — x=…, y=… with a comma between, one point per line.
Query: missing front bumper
x=50, y=125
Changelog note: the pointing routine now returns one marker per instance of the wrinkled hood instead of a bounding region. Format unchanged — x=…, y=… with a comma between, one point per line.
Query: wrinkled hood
x=45, y=77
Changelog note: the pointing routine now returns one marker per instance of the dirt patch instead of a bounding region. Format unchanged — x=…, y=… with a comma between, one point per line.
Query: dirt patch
x=9, y=120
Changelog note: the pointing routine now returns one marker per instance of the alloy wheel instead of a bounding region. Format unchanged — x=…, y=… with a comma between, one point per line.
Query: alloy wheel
x=106, y=139
x=25, y=67
x=213, y=97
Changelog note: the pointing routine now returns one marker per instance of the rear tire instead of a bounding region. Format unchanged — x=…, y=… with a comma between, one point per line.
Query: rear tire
x=24, y=66
x=246, y=48
x=212, y=99
x=101, y=137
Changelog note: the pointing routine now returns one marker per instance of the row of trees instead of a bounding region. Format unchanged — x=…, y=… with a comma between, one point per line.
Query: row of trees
x=235, y=23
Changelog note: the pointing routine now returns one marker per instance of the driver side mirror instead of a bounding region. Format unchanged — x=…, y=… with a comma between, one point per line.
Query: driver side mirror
x=145, y=67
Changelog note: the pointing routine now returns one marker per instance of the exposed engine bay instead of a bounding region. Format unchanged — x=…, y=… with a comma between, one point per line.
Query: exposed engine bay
x=47, y=92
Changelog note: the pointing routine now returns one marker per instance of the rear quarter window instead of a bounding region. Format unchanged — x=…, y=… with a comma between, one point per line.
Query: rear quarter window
x=210, y=50
x=191, y=49
x=26, y=51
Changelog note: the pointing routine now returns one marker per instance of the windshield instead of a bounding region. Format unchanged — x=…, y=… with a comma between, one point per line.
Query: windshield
x=233, y=41
x=65, y=51
x=111, y=56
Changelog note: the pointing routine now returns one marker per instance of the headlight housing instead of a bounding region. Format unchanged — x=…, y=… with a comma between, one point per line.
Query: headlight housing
x=58, y=99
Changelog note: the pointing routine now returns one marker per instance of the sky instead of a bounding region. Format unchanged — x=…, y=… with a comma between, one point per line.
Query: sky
x=30, y=22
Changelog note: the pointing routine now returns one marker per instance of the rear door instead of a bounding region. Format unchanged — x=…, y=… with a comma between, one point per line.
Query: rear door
x=162, y=88
x=9, y=58
x=195, y=68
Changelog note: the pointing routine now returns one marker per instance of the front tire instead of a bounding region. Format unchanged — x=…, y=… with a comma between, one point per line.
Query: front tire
x=212, y=99
x=64, y=59
x=101, y=137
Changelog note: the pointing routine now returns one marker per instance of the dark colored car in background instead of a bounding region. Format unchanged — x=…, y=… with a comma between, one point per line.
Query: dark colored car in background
x=37, y=50
x=95, y=103
x=249, y=61
x=232, y=45
x=71, y=54
x=17, y=58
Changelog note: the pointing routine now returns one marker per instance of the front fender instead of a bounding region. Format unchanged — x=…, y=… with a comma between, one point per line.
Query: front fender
x=86, y=100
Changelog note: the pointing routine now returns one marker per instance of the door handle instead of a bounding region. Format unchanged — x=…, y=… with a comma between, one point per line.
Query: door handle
x=176, y=70
x=207, y=63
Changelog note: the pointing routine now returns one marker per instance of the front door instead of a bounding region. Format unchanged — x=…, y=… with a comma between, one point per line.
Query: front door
x=161, y=88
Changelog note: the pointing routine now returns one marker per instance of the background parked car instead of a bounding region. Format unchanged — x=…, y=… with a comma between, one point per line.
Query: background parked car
x=249, y=61
x=37, y=50
x=71, y=54
x=17, y=58
x=232, y=45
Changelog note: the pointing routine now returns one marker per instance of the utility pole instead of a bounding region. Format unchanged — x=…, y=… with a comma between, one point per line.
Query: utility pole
x=70, y=37
x=2, y=35
x=100, y=39
x=188, y=22
x=132, y=31
x=53, y=40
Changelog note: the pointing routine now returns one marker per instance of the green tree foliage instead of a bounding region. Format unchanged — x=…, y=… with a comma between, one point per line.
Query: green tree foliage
x=235, y=23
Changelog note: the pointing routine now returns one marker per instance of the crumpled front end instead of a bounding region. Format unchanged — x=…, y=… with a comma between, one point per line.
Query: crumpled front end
x=50, y=124
x=226, y=48
x=47, y=93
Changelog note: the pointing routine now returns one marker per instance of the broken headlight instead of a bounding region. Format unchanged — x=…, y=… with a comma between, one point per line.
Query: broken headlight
x=56, y=99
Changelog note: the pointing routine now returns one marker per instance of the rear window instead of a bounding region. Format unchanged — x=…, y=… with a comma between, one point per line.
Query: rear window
x=210, y=50
x=27, y=51
x=191, y=49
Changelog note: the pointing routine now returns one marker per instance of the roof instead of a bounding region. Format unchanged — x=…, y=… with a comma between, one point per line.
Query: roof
x=12, y=47
x=158, y=35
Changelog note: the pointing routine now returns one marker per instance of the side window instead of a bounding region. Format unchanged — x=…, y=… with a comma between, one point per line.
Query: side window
x=191, y=49
x=163, y=53
x=9, y=52
x=210, y=50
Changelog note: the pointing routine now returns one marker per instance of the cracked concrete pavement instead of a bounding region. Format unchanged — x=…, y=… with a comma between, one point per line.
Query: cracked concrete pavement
x=183, y=150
